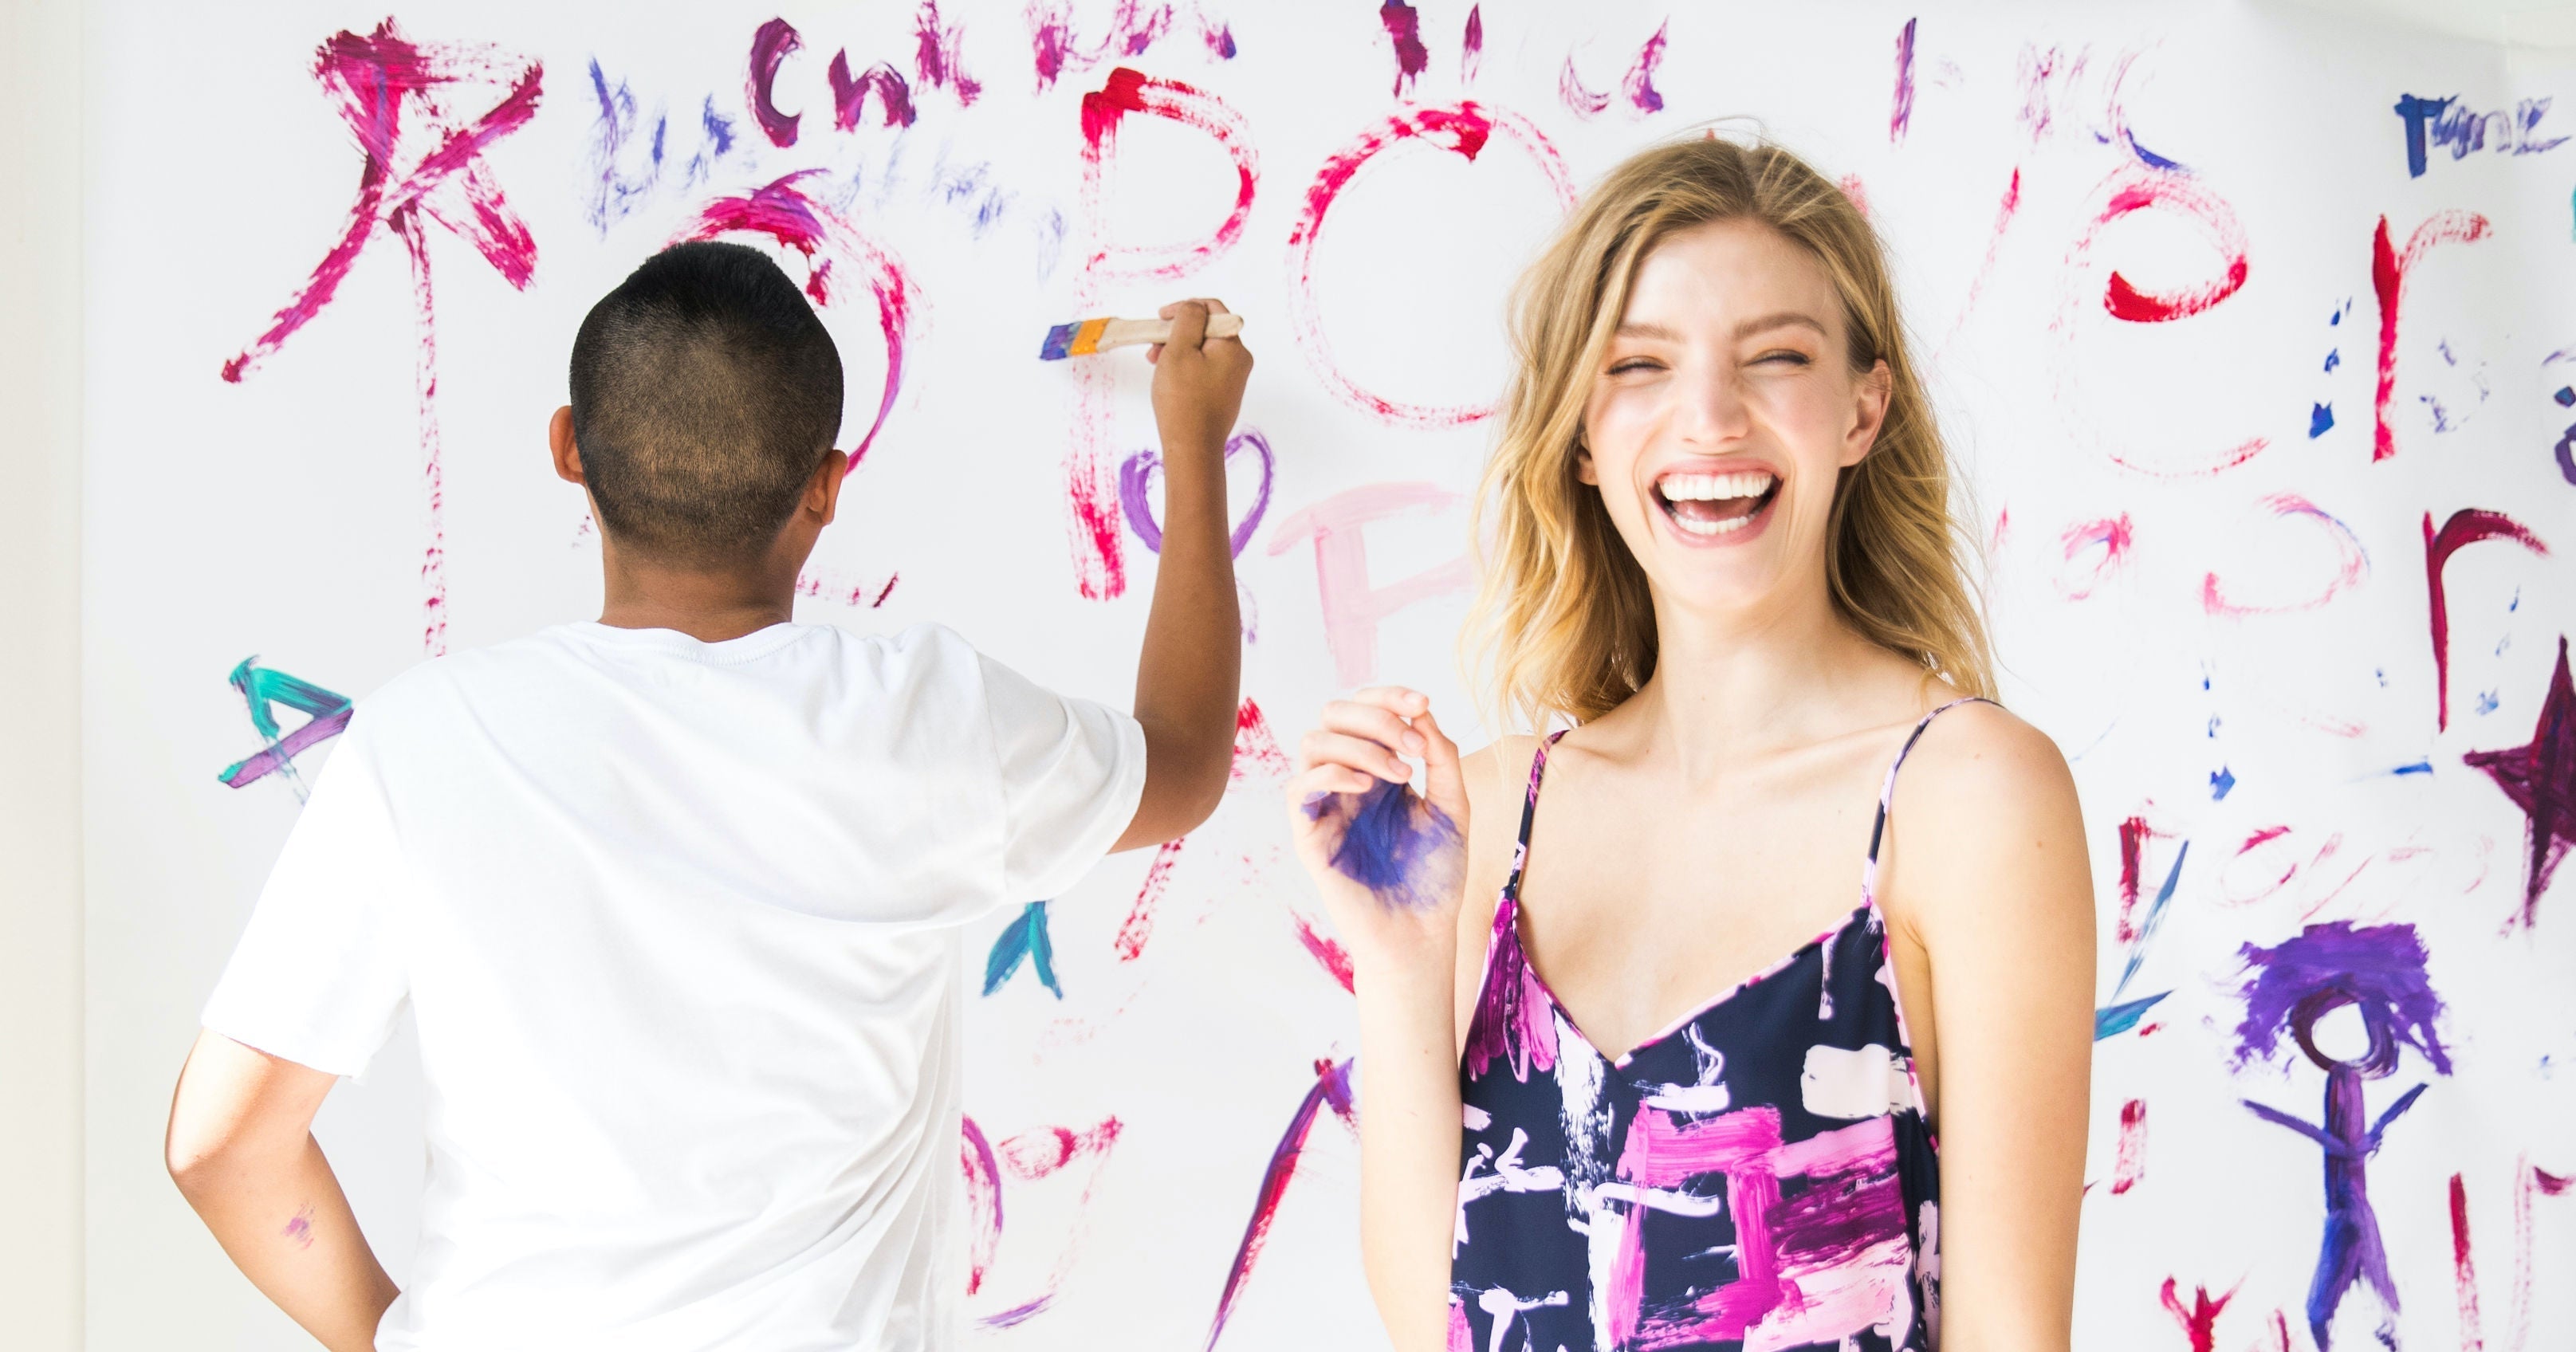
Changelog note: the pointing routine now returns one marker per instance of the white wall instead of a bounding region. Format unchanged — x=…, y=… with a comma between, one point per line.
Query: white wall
x=40, y=794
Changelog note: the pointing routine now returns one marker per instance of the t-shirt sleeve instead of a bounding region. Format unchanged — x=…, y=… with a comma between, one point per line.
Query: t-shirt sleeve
x=1072, y=771
x=319, y=976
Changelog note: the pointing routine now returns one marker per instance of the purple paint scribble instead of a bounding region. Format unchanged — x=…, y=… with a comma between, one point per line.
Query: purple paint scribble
x=1135, y=492
x=2380, y=972
x=300, y=1229
x=619, y=133
x=2448, y=122
x=1471, y=45
x=1404, y=30
x=1332, y=1087
x=2460, y=529
x=263, y=689
x=1395, y=843
x=1133, y=29
x=935, y=55
x=2540, y=777
x=770, y=45
x=1639, y=84
x=850, y=94
x=1900, y=111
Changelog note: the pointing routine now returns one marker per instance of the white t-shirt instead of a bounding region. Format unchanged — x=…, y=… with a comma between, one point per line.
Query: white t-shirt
x=680, y=925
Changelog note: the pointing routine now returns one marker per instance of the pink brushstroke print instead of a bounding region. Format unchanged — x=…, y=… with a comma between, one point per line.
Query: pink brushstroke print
x=423, y=159
x=2351, y=564
x=1464, y=130
x=1353, y=609
x=1139, y=925
x=1403, y=25
x=1332, y=1088
x=2461, y=529
x=1099, y=560
x=1133, y=29
x=786, y=211
x=2131, y=1161
x=2391, y=271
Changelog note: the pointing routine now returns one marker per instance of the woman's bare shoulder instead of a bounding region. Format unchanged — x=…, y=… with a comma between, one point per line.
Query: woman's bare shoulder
x=1985, y=822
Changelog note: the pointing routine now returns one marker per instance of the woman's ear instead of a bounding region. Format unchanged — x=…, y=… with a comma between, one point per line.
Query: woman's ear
x=1870, y=396
x=1584, y=469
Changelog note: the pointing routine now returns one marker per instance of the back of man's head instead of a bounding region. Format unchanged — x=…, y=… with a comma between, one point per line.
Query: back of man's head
x=705, y=393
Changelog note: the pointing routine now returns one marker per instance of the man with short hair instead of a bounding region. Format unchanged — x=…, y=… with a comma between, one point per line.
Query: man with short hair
x=676, y=898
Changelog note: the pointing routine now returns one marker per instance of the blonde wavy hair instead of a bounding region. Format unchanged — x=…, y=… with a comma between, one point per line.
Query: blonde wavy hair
x=1563, y=623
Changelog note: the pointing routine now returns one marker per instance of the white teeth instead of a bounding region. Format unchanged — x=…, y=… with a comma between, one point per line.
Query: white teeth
x=1750, y=483
x=1728, y=526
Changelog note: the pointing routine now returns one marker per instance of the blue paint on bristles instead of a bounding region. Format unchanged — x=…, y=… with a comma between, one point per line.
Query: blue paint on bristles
x=1078, y=339
x=1392, y=843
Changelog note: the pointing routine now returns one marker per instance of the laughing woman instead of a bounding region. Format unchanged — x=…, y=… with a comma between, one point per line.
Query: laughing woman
x=1641, y=1067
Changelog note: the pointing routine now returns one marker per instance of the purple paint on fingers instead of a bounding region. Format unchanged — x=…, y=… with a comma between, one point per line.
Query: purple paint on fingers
x=1395, y=843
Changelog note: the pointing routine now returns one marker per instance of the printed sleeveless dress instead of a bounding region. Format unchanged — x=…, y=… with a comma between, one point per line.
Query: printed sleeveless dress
x=1760, y=1175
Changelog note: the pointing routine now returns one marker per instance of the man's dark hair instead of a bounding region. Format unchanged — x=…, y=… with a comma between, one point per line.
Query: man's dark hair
x=704, y=393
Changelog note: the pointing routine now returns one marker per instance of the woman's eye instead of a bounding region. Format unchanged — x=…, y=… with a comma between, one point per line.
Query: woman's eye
x=1632, y=364
x=1791, y=358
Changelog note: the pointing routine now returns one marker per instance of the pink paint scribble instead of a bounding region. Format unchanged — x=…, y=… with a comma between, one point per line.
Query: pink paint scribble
x=2351, y=564
x=771, y=44
x=1857, y=191
x=1100, y=566
x=1133, y=29
x=1639, y=83
x=300, y=1229
x=786, y=212
x=2095, y=551
x=2134, y=188
x=1332, y=1087
x=1637, y=86
x=850, y=94
x=2529, y=1182
x=2461, y=529
x=1463, y=130
x=935, y=55
x=2005, y=209
x=983, y=1203
x=2200, y=1319
x=2391, y=269
x=1471, y=45
x=2464, y=1270
x=1327, y=952
x=856, y=595
x=1139, y=925
x=1028, y=1157
x=1256, y=750
x=2131, y=1162
x=1353, y=609
x=2134, y=835
x=1404, y=32
x=422, y=160
x=1900, y=107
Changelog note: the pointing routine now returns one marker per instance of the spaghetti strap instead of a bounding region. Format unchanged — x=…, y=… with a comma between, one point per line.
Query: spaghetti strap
x=1529, y=814
x=1887, y=796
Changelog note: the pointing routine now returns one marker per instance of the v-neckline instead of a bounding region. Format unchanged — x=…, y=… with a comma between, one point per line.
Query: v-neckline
x=1556, y=1005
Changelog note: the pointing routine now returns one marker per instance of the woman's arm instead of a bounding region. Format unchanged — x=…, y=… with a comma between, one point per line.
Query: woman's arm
x=1403, y=943
x=1986, y=871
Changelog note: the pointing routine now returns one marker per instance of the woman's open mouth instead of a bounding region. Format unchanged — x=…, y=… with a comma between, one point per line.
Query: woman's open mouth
x=1710, y=506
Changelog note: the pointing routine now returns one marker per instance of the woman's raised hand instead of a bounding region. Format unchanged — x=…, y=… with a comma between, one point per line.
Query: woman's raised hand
x=1391, y=863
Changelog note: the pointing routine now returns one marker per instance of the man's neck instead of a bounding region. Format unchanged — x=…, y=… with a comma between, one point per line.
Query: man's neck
x=707, y=606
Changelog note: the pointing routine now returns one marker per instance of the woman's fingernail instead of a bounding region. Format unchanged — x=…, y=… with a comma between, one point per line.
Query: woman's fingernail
x=1413, y=742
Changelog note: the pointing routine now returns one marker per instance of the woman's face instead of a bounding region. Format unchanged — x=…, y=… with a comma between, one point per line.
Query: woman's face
x=1723, y=413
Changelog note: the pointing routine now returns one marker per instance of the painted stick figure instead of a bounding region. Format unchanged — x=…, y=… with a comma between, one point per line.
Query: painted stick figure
x=2379, y=972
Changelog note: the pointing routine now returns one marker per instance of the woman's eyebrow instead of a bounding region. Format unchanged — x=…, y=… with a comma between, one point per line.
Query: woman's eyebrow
x=1781, y=319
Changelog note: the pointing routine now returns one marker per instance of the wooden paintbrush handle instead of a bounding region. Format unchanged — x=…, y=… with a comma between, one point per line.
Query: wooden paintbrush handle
x=1130, y=332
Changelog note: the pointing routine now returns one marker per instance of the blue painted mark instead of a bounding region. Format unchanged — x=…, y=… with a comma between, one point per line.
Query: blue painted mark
x=2487, y=701
x=2334, y=358
x=2155, y=919
x=2565, y=396
x=2219, y=783
x=2421, y=767
x=2320, y=420
x=1024, y=941
x=2115, y=1019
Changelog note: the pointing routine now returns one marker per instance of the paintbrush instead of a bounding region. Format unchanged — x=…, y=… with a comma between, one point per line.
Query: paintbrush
x=1086, y=336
